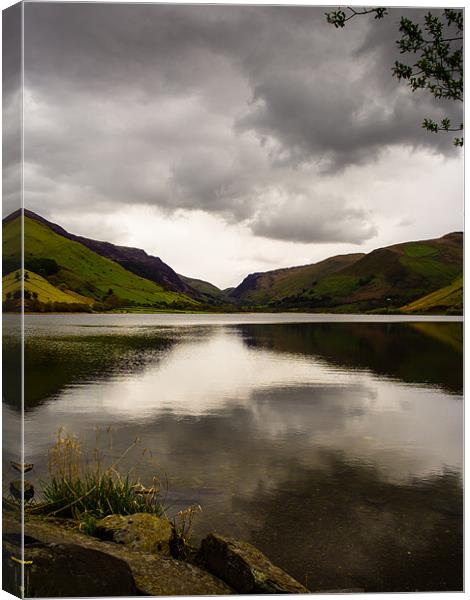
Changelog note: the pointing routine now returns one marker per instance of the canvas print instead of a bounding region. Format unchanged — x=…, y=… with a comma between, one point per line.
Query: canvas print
x=232, y=299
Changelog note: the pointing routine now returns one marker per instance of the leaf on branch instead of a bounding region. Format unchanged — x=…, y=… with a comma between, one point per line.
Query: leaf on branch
x=430, y=125
x=438, y=48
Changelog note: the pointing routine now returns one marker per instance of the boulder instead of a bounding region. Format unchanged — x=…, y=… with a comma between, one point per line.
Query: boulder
x=154, y=574
x=245, y=568
x=141, y=531
x=63, y=570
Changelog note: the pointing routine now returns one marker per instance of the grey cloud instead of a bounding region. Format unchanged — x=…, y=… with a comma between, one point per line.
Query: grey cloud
x=348, y=110
x=11, y=109
x=109, y=47
x=213, y=182
x=11, y=49
x=208, y=108
x=316, y=220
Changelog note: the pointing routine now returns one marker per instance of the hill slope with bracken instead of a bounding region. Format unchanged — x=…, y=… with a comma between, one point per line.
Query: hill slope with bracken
x=386, y=278
x=71, y=266
x=135, y=260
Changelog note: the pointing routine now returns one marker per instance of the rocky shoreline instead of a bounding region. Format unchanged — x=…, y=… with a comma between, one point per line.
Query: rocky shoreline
x=128, y=556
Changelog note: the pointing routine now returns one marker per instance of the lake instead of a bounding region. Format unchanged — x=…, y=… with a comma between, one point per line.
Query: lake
x=333, y=443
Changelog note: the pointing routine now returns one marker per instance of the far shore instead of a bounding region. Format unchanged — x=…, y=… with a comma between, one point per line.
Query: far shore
x=304, y=316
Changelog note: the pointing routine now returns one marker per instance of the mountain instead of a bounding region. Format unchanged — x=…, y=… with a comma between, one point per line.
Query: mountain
x=69, y=264
x=386, y=278
x=64, y=271
x=207, y=291
x=135, y=260
x=272, y=286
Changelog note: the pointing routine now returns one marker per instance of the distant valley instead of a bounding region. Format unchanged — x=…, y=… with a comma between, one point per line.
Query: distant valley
x=66, y=272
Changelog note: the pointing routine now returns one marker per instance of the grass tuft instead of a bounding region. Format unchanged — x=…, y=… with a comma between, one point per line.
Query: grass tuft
x=182, y=524
x=86, y=490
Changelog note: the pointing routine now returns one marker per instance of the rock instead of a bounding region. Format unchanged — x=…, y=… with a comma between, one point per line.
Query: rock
x=154, y=574
x=64, y=570
x=245, y=568
x=141, y=531
x=17, y=486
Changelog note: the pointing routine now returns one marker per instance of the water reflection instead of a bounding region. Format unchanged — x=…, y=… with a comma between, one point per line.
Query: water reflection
x=415, y=353
x=335, y=447
x=12, y=372
x=359, y=530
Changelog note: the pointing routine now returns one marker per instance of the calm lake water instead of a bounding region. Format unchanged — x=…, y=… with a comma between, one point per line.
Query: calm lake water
x=334, y=444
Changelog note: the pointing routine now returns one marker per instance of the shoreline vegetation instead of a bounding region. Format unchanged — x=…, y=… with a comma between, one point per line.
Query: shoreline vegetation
x=85, y=486
x=87, y=505
x=57, y=308
x=63, y=272
x=247, y=312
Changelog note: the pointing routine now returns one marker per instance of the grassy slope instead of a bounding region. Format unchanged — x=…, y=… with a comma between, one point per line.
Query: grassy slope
x=82, y=270
x=392, y=276
x=445, y=298
x=275, y=285
x=404, y=272
x=418, y=276
x=204, y=287
x=45, y=291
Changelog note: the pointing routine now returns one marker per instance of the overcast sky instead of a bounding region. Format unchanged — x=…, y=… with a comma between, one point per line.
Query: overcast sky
x=228, y=140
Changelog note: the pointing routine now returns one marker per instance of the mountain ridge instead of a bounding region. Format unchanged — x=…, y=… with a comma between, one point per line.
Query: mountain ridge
x=135, y=260
x=419, y=275
x=387, y=277
x=72, y=267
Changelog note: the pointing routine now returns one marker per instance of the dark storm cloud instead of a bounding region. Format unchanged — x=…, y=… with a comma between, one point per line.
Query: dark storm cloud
x=11, y=109
x=335, y=127
x=210, y=108
x=213, y=182
x=345, y=111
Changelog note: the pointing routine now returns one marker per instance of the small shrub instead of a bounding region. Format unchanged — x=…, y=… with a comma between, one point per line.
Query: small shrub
x=88, y=524
x=42, y=266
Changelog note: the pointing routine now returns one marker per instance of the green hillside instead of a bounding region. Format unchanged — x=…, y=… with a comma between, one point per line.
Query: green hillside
x=40, y=289
x=204, y=287
x=446, y=299
x=278, y=285
x=66, y=272
x=70, y=266
x=385, y=279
